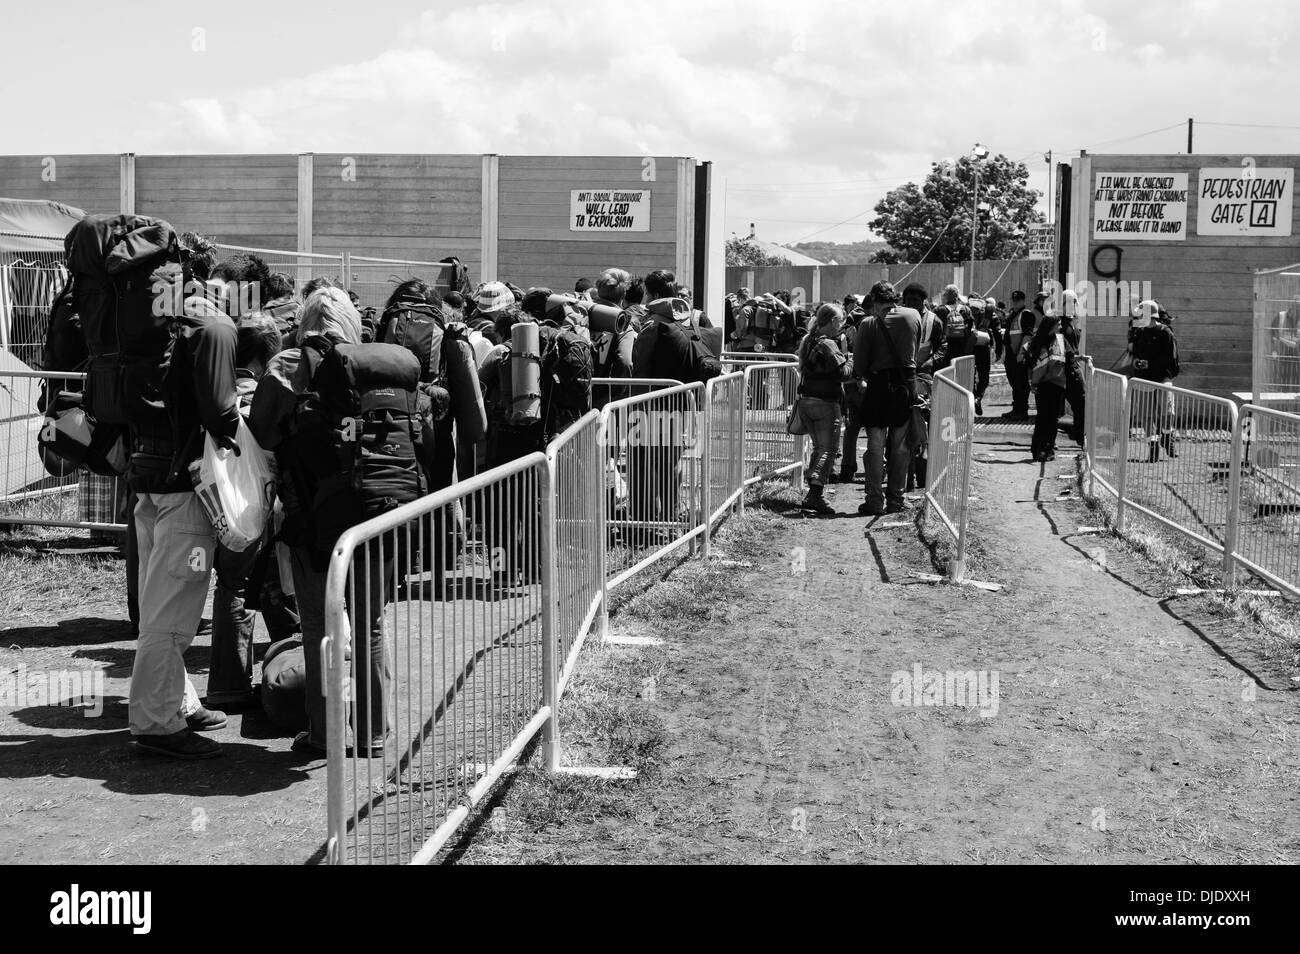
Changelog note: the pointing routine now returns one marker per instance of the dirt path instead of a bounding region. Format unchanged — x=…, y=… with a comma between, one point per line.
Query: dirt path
x=1121, y=733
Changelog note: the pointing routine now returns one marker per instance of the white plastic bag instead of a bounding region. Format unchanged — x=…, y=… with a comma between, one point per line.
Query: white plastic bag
x=237, y=492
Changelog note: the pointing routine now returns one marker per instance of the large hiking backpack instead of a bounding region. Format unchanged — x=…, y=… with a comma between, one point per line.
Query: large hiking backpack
x=679, y=350
x=357, y=438
x=125, y=269
x=419, y=328
x=566, y=374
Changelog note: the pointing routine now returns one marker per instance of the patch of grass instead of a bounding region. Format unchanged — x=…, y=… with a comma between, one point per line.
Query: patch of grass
x=36, y=584
x=777, y=495
x=1275, y=623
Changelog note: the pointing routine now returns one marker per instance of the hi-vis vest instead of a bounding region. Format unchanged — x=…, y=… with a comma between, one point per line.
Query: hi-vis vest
x=925, y=349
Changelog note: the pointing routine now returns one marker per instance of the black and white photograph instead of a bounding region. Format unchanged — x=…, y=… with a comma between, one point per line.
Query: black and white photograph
x=567, y=432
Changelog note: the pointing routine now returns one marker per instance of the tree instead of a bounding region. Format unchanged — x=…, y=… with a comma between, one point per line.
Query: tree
x=911, y=217
x=741, y=251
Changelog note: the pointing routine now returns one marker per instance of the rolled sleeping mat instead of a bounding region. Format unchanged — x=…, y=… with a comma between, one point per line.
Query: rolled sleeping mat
x=466, y=394
x=601, y=319
x=525, y=374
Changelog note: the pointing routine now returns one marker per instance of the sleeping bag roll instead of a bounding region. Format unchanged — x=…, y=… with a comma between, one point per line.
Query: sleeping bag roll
x=601, y=319
x=525, y=374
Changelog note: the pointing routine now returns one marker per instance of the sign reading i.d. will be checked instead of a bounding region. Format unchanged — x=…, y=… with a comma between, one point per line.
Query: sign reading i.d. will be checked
x=609, y=210
x=1140, y=206
x=1244, y=200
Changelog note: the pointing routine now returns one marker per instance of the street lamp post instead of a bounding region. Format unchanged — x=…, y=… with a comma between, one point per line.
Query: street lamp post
x=977, y=155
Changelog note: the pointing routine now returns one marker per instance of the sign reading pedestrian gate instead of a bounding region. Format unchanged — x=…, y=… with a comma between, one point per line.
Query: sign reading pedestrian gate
x=609, y=210
x=1244, y=200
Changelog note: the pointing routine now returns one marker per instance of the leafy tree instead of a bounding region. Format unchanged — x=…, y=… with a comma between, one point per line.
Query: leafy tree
x=911, y=217
x=741, y=251
x=843, y=253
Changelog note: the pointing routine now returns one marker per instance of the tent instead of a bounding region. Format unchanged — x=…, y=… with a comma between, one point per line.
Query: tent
x=31, y=274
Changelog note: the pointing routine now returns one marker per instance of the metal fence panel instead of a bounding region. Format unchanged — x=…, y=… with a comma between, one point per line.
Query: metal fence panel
x=373, y=279
x=724, y=428
x=654, y=469
x=1180, y=459
x=576, y=464
x=1275, y=378
x=768, y=449
x=1106, y=437
x=952, y=431
x=29, y=283
x=449, y=656
x=1267, y=496
x=30, y=495
x=302, y=267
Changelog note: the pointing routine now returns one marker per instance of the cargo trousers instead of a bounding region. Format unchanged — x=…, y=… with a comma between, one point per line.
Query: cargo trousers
x=176, y=544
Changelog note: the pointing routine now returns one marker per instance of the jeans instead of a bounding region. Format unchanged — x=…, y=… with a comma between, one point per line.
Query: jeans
x=824, y=423
x=900, y=459
x=373, y=578
x=231, y=673
x=1018, y=379
x=1050, y=400
x=176, y=545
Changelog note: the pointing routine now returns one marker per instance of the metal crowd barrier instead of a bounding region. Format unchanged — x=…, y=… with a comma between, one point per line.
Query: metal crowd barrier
x=31, y=495
x=1267, y=496
x=952, y=431
x=373, y=279
x=604, y=390
x=769, y=451
x=1225, y=478
x=576, y=461
x=455, y=663
x=654, y=471
x=724, y=454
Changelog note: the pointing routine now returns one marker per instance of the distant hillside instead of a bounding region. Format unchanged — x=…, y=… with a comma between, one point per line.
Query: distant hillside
x=849, y=253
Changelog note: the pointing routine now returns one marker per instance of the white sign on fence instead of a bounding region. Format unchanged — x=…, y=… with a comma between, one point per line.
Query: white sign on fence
x=609, y=210
x=1132, y=206
x=1042, y=240
x=1244, y=200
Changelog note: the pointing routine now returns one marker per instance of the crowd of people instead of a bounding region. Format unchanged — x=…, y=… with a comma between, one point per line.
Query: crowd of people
x=868, y=364
x=365, y=409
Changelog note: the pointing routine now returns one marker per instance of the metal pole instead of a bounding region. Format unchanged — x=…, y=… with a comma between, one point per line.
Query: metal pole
x=1090, y=426
x=1189, y=136
x=974, y=227
x=550, y=669
x=1234, y=498
x=706, y=456
x=1121, y=480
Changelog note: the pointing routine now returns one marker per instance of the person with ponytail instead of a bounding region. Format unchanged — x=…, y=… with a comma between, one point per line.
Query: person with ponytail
x=823, y=370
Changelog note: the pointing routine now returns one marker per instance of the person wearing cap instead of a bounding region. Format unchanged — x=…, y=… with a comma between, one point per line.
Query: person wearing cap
x=986, y=339
x=884, y=356
x=1017, y=376
x=1153, y=352
x=823, y=370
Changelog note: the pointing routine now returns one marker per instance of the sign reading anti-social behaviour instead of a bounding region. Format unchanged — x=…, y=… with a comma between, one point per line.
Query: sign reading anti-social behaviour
x=609, y=210
x=1244, y=200
x=1136, y=206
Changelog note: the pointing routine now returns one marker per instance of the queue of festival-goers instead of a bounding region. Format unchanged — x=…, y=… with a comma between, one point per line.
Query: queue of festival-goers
x=365, y=409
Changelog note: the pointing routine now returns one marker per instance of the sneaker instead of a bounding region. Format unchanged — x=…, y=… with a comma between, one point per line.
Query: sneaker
x=866, y=510
x=179, y=745
x=898, y=508
x=238, y=701
x=206, y=720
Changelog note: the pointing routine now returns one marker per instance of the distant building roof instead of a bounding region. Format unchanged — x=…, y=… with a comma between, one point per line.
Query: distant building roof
x=789, y=254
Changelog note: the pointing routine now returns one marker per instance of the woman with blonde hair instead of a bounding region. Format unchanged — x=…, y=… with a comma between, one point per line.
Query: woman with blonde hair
x=823, y=369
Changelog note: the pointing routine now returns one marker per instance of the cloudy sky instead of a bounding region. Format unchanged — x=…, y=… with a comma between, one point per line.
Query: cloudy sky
x=811, y=110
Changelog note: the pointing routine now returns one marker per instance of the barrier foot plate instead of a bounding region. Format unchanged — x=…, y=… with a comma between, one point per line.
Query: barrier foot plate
x=978, y=584
x=633, y=640
x=609, y=772
x=1091, y=530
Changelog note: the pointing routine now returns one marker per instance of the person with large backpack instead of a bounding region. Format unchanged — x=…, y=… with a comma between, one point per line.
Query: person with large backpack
x=162, y=365
x=519, y=426
x=352, y=431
